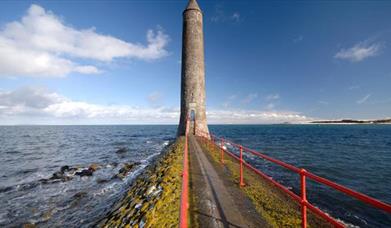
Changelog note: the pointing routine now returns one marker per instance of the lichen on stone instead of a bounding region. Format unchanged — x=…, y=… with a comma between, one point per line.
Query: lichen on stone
x=154, y=198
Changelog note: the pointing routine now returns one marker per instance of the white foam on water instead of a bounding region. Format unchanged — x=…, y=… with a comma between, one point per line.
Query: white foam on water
x=118, y=186
x=3, y=217
x=112, y=187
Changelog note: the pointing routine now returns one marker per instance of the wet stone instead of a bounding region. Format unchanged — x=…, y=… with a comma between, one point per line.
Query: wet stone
x=64, y=168
x=121, y=150
x=84, y=172
x=102, y=181
x=93, y=167
x=29, y=225
x=80, y=195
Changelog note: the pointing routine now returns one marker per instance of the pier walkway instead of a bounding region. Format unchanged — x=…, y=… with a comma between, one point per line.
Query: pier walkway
x=215, y=199
x=211, y=198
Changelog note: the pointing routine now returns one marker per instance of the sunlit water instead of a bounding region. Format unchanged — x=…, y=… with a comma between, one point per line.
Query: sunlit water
x=357, y=156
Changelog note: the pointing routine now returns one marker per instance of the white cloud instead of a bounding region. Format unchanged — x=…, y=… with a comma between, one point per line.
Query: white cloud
x=249, y=98
x=353, y=87
x=236, y=17
x=364, y=99
x=298, y=39
x=323, y=102
x=359, y=52
x=37, y=104
x=32, y=105
x=270, y=106
x=154, y=96
x=220, y=16
x=272, y=97
x=155, y=99
x=228, y=101
x=40, y=44
x=254, y=117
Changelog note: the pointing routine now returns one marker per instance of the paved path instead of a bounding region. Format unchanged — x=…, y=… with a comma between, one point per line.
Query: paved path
x=217, y=200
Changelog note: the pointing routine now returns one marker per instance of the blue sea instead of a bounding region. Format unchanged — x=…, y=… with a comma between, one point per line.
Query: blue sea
x=357, y=156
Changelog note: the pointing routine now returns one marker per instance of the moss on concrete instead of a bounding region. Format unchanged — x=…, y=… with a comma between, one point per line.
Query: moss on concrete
x=154, y=198
x=275, y=206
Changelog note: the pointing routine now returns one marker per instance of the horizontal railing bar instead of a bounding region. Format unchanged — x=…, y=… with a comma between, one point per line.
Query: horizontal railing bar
x=293, y=195
x=350, y=192
x=283, y=164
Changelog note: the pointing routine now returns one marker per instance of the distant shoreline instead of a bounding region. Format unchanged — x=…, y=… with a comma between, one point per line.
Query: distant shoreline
x=351, y=121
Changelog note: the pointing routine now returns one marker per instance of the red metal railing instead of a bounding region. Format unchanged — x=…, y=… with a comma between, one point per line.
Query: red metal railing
x=185, y=183
x=212, y=140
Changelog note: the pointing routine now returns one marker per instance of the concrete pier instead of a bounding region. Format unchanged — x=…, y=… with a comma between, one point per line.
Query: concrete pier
x=217, y=200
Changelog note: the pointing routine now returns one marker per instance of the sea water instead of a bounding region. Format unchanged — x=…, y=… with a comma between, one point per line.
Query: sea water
x=357, y=156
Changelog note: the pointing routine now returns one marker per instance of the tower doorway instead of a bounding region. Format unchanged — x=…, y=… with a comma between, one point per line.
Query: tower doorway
x=192, y=121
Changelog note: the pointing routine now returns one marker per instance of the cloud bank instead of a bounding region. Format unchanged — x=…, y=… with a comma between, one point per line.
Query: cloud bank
x=41, y=44
x=33, y=105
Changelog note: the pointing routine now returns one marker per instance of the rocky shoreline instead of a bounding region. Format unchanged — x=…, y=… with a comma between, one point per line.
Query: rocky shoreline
x=153, y=198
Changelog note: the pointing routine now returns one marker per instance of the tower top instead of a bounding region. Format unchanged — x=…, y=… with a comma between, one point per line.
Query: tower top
x=193, y=5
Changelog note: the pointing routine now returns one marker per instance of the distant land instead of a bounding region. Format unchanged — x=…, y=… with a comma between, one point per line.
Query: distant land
x=351, y=121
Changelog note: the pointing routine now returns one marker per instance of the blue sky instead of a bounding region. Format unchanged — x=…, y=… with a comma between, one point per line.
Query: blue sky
x=67, y=62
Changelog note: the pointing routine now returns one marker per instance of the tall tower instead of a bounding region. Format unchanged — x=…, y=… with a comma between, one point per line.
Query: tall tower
x=193, y=72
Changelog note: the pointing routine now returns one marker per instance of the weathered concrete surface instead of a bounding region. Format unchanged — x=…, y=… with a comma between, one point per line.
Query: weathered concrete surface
x=216, y=201
x=193, y=70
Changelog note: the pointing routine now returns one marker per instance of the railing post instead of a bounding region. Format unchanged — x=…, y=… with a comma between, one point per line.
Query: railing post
x=208, y=143
x=222, y=151
x=303, y=199
x=212, y=143
x=184, y=207
x=241, y=167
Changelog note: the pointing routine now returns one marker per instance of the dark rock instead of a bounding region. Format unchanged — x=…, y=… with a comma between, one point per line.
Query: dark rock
x=66, y=178
x=121, y=150
x=84, y=172
x=29, y=225
x=28, y=186
x=102, y=181
x=57, y=175
x=126, y=169
x=79, y=195
x=6, y=189
x=44, y=181
x=64, y=168
x=93, y=167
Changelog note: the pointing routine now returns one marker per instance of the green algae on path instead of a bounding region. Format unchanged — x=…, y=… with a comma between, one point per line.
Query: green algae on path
x=275, y=206
x=153, y=200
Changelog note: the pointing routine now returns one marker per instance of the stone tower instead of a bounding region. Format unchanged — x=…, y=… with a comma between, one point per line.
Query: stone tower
x=193, y=72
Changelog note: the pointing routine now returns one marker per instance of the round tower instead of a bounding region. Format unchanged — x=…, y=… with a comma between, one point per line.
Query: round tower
x=193, y=72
